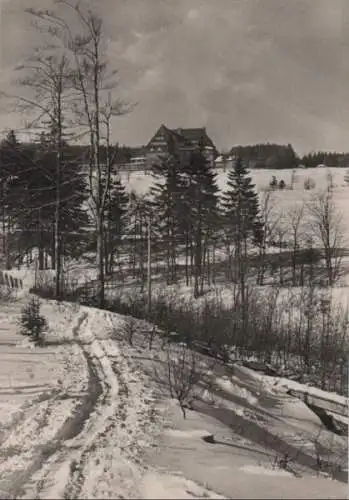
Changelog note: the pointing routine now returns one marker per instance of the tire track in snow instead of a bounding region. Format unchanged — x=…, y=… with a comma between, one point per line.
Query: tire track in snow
x=114, y=471
x=72, y=426
x=106, y=420
x=28, y=409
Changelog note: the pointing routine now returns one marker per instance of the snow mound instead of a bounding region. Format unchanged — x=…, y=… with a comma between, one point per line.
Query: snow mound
x=158, y=485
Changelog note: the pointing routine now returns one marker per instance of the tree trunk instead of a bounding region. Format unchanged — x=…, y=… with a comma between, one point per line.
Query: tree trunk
x=57, y=237
x=281, y=267
x=149, y=271
x=208, y=267
x=214, y=263
x=4, y=235
x=111, y=256
x=59, y=161
x=187, y=259
x=261, y=272
x=294, y=263
x=168, y=254
x=197, y=260
x=191, y=248
x=53, y=253
x=100, y=261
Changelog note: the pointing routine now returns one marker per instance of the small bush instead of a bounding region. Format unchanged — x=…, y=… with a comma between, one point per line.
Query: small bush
x=6, y=294
x=282, y=184
x=182, y=375
x=273, y=184
x=129, y=329
x=32, y=323
x=309, y=184
x=346, y=177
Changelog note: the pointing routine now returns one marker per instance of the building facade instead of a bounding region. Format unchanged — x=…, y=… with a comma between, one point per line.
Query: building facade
x=182, y=140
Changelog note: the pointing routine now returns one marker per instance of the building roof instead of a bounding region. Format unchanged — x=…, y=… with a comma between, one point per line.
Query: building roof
x=137, y=151
x=185, y=137
x=191, y=134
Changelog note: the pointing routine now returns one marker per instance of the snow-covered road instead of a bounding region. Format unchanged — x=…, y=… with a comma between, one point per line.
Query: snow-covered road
x=83, y=436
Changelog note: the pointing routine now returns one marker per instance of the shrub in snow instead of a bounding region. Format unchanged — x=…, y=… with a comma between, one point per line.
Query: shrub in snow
x=151, y=335
x=309, y=184
x=6, y=294
x=282, y=184
x=182, y=375
x=32, y=323
x=346, y=177
x=273, y=183
x=129, y=329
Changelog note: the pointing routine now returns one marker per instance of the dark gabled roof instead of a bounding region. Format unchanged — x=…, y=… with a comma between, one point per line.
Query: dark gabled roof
x=191, y=134
x=185, y=137
x=196, y=136
x=170, y=135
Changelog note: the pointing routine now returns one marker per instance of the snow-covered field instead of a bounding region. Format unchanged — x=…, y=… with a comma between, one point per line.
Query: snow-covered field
x=282, y=200
x=89, y=416
x=140, y=183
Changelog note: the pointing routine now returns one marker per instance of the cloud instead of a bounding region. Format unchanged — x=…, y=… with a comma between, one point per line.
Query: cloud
x=250, y=70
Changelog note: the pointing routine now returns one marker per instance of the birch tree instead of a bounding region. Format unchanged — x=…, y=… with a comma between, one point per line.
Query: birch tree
x=326, y=225
x=80, y=31
x=296, y=225
x=47, y=77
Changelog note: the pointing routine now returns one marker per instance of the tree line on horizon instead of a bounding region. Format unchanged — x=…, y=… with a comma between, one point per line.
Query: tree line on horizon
x=264, y=155
x=278, y=156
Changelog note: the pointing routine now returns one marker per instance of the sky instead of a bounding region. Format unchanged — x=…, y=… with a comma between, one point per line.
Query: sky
x=250, y=71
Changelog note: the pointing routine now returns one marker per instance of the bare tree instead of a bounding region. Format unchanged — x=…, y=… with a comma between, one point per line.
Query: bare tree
x=280, y=232
x=327, y=229
x=182, y=375
x=295, y=220
x=270, y=222
x=49, y=79
x=90, y=79
x=93, y=105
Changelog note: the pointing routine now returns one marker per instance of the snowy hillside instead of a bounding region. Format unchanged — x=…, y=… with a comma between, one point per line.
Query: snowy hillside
x=90, y=416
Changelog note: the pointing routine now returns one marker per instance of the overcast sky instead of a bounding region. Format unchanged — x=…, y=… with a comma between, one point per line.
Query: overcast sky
x=249, y=70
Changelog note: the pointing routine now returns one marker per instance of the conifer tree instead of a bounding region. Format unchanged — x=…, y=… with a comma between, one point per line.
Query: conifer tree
x=10, y=199
x=136, y=232
x=37, y=221
x=168, y=208
x=201, y=211
x=241, y=219
x=115, y=211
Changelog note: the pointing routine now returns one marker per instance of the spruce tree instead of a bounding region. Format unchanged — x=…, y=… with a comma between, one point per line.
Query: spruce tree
x=201, y=211
x=36, y=221
x=168, y=208
x=12, y=163
x=241, y=218
x=136, y=232
x=114, y=218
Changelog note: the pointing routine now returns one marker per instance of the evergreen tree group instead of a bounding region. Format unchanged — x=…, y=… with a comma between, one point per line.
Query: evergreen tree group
x=190, y=215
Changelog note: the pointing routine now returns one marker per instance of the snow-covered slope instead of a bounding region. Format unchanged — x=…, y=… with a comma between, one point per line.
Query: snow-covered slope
x=89, y=416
